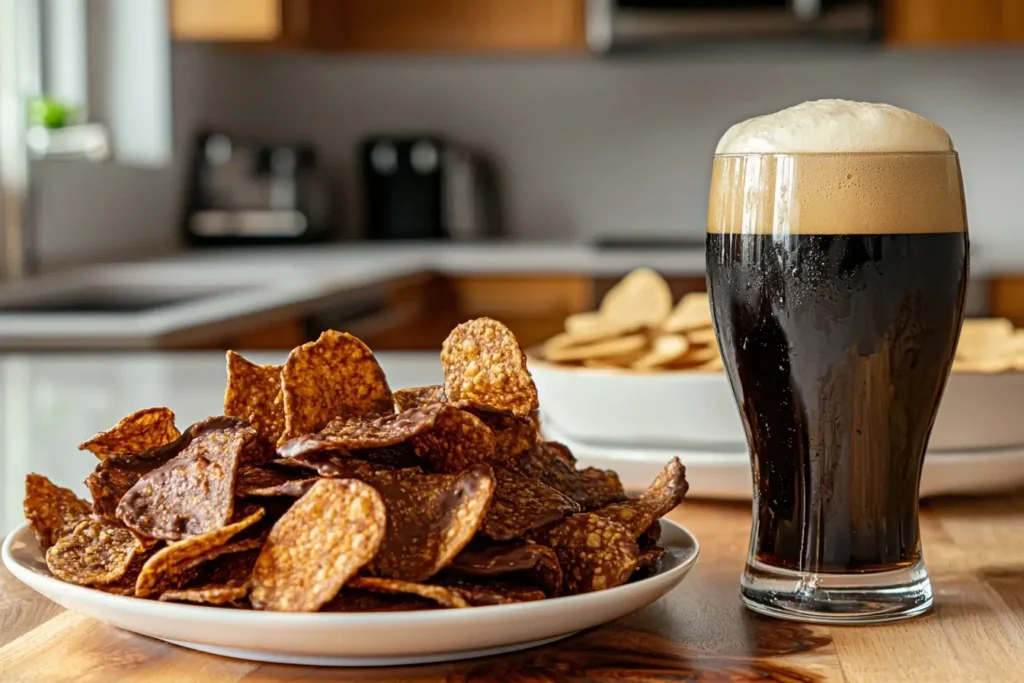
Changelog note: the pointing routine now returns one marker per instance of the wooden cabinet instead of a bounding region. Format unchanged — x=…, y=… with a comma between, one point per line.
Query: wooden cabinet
x=941, y=23
x=386, y=25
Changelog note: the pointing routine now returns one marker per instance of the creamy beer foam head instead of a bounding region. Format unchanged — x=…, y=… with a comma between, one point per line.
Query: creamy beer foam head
x=834, y=167
x=826, y=126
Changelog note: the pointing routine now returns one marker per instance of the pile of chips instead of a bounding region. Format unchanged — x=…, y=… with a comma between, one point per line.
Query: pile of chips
x=320, y=489
x=637, y=328
x=989, y=345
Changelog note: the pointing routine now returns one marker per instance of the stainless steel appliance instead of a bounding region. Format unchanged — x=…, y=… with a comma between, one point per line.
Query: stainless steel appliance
x=426, y=187
x=614, y=25
x=250, y=192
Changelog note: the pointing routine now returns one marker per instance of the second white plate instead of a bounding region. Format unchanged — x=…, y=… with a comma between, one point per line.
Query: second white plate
x=726, y=475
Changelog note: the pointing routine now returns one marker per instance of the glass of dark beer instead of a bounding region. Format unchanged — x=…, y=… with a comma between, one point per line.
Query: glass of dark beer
x=837, y=282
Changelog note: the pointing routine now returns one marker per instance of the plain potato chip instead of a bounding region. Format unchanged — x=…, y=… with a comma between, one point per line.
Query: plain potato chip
x=616, y=362
x=174, y=565
x=713, y=365
x=192, y=494
x=664, y=349
x=364, y=431
x=693, y=312
x=52, y=511
x=95, y=553
x=641, y=298
x=618, y=346
x=456, y=440
x=254, y=395
x=697, y=355
x=445, y=597
x=637, y=515
x=484, y=367
x=520, y=504
x=578, y=322
x=608, y=329
x=594, y=553
x=418, y=397
x=318, y=545
x=703, y=337
x=140, y=431
x=519, y=560
x=513, y=435
x=334, y=376
x=430, y=519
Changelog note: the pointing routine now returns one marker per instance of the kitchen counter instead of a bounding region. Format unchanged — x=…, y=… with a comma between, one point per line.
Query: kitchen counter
x=282, y=280
x=49, y=403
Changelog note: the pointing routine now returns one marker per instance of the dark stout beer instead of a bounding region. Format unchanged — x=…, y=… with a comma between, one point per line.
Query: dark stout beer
x=838, y=347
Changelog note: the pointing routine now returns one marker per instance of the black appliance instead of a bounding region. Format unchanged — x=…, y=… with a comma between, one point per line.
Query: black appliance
x=243, y=192
x=627, y=25
x=426, y=187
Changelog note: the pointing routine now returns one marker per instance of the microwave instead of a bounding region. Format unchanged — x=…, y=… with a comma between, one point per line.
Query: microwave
x=626, y=25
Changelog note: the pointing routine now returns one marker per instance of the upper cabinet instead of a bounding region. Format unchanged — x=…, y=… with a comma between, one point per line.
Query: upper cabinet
x=386, y=25
x=938, y=23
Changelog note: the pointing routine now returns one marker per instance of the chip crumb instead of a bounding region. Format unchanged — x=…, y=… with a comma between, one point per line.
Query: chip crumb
x=336, y=375
x=140, y=431
x=318, y=545
x=254, y=394
x=484, y=367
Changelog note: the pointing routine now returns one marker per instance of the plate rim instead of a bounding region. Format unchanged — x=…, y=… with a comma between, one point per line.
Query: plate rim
x=439, y=617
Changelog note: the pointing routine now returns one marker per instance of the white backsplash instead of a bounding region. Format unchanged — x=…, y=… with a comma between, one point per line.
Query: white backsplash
x=585, y=147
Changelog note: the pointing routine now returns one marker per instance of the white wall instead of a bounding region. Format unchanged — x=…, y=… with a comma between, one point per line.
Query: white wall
x=592, y=147
x=586, y=147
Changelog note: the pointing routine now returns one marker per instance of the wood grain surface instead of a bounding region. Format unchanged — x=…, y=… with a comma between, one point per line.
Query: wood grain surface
x=700, y=632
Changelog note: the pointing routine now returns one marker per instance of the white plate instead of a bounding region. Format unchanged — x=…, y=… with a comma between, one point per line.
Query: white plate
x=726, y=475
x=368, y=639
x=696, y=411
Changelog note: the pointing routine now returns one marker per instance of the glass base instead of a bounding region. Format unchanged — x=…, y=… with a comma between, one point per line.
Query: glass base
x=836, y=598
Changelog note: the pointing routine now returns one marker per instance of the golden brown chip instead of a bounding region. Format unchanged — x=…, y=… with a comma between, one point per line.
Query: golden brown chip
x=213, y=594
x=638, y=514
x=318, y=545
x=192, y=494
x=445, y=597
x=176, y=564
x=140, y=431
x=483, y=592
x=95, y=553
x=334, y=376
x=600, y=488
x=364, y=431
x=520, y=504
x=430, y=519
x=352, y=600
x=519, y=560
x=484, y=367
x=456, y=440
x=641, y=298
x=595, y=553
x=618, y=346
x=513, y=435
x=418, y=397
x=52, y=511
x=254, y=395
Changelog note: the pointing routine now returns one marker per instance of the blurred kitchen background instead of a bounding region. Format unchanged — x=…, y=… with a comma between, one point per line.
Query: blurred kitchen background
x=200, y=174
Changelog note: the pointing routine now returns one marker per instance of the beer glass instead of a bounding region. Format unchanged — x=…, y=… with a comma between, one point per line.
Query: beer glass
x=837, y=284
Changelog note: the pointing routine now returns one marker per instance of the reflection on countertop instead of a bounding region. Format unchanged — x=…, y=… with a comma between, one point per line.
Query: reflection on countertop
x=51, y=403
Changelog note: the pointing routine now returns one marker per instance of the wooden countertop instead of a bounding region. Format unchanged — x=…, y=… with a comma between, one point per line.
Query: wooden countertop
x=699, y=632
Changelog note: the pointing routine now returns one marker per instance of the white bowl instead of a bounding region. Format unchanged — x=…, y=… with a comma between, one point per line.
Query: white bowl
x=696, y=410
